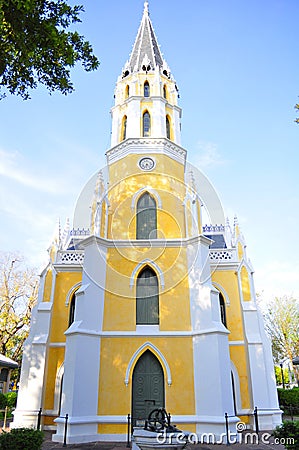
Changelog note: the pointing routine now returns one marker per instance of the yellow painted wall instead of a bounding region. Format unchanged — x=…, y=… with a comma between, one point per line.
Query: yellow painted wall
x=120, y=298
x=245, y=285
x=228, y=280
x=64, y=282
x=238, y=353
x=240, y=251
x=48, y=285
x=115, y=397
x=55, y=359
x=168, y=181
x=239, y=358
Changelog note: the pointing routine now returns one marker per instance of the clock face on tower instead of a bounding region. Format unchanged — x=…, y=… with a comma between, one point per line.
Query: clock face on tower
x=146, y=163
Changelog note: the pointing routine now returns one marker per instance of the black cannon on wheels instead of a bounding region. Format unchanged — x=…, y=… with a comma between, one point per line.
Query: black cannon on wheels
x=159, y=420
x=159, y=434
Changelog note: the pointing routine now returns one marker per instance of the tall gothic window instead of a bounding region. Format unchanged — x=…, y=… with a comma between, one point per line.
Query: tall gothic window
x=124, y=128
x=222, y=309
x=146, y=124
x=147, y=298
x=146, y=217
x=127, y=92
x=72, y=309
x=146, y=89
x=165, y=92
x=167, y=127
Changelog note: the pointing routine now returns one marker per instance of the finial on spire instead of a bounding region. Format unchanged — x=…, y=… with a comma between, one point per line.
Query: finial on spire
x=146, y=7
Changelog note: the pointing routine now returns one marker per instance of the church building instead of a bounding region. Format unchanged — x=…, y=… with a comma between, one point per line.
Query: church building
x=142, y=304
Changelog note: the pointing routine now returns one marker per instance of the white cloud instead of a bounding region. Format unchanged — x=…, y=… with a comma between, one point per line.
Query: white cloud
x=278, y=278
x=13, y=167
x=207, y=155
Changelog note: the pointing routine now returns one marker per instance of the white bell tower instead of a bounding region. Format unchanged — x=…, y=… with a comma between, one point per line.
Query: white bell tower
x=146, y=95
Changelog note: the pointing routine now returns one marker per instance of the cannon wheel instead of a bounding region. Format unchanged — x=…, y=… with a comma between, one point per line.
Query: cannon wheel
x=158, y=419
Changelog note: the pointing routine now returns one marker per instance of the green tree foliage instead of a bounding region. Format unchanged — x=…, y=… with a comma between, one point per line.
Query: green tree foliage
x=18, y=293
x=278, y=375
x=35, y=47
x=282, y=325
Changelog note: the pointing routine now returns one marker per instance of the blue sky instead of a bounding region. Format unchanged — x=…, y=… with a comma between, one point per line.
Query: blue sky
x=236, y=66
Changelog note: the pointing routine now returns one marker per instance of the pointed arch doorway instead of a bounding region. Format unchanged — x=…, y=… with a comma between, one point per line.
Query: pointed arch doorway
x=147, y=387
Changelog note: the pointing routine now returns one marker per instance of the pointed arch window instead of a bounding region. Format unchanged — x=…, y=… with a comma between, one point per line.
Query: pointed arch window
x=165, y=92
x=167, y=127
x=222, y=309
x=146, y=124
x=72, y=309
x=127, y=92
x=146, y=89
x=124, y=128
x=146, y=217
x=147, y=298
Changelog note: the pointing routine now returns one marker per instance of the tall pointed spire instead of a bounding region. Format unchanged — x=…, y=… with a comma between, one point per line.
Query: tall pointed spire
x=146, y=53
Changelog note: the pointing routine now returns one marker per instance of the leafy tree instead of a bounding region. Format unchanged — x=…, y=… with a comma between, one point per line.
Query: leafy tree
x=18, y=293
x=36, y=48
x=278, y=375
x=282, y=325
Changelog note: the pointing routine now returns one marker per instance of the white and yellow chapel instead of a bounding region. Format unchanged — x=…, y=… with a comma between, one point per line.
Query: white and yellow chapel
x=142, y=305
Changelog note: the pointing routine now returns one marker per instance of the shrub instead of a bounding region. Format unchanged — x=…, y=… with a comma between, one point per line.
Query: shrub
x=289, y=399
x=11, y=399
x=21, y=439
x=288, y=435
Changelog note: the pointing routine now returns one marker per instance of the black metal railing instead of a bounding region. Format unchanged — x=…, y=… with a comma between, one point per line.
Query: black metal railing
x=39, y=423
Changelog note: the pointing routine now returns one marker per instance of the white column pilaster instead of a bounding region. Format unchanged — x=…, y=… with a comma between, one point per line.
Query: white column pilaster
x=82, y=355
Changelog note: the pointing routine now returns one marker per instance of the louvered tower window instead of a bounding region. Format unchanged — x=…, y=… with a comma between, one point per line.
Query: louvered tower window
x=146, y=217
x=147, y=298
x=124, y=128
x=165, y=92
x=146, y=124
x=167, y=127
x=146, y=89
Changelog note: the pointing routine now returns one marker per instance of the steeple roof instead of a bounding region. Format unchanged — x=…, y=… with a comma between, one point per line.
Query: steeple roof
x=146, y=53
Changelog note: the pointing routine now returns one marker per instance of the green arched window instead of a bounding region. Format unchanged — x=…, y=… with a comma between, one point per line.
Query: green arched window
x=147, y=298
x=146, y=217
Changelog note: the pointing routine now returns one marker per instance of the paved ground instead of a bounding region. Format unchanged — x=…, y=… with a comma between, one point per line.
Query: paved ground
x=264, y=442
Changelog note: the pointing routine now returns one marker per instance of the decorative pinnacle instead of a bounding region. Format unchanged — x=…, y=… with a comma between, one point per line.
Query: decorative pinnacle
x=146, y=7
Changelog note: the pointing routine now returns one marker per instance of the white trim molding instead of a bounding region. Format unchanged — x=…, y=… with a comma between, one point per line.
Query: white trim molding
x=149, y=189
x=152, y=264
x=71, y=292
x=223, y=292
x=138, y=353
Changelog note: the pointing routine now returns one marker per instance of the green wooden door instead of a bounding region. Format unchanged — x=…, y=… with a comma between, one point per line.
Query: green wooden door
x=148, y=388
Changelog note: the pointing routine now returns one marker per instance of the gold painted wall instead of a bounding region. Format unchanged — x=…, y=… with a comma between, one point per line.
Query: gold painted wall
x=115, y=397
x=120, y=297
x=168, y=181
